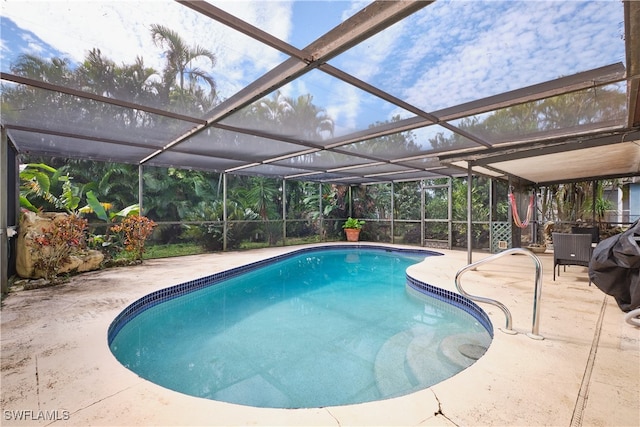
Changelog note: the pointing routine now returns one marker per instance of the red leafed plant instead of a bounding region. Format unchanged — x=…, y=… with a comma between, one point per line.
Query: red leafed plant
x=135, y=230
x=57, y=243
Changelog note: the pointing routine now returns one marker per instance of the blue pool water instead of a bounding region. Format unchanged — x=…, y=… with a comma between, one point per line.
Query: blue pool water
x=321, y=328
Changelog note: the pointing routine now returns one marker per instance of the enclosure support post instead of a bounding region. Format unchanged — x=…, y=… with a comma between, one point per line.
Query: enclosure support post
x=491, y=197
x=224, y=211
x=4, y=239
x=593, y=201
x=469, y=219
x=422, y=213
x=450, y=212
x=284, y=212
x=321, y=214
x=510, y=216
x=535, y=226
x=392, y=209
x=140, y=188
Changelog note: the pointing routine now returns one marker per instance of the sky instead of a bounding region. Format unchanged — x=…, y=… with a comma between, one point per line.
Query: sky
x=446, y=54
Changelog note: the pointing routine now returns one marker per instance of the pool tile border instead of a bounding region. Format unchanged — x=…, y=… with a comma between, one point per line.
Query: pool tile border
x=181, y=289
x=454, y=299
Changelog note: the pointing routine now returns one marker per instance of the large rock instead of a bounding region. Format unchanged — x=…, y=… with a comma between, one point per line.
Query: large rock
x=28, y=252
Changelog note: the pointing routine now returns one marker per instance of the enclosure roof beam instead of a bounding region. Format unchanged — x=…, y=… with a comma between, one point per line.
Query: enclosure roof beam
x=632, y=37
x=597, y=77
x=488, y=157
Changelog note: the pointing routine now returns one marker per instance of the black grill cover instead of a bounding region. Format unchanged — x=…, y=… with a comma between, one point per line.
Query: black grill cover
x=615, y=267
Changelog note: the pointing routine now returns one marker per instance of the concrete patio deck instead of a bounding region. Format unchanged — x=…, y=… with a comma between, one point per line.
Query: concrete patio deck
x=57, y=368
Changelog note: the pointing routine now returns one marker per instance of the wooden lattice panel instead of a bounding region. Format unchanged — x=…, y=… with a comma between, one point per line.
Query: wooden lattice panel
x=500, y=236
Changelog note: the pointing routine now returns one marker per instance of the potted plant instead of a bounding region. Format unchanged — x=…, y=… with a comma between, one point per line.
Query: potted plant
x=352, y=229
x=537, y=248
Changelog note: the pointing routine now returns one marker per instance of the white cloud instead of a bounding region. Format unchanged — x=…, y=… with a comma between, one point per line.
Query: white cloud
x=346, y=104
x=371, y=57
x=274, y=17
x=345, y=108
x=519, y=44
x=354, y=7
x=453, y=52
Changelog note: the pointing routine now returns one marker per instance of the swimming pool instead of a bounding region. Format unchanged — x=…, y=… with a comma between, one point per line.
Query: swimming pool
x=317, y=327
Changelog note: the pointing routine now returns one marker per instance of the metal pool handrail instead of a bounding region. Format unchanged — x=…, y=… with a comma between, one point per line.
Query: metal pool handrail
x=536, y=296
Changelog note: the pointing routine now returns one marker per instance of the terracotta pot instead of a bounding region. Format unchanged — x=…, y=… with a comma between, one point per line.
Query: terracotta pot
x=353, y=234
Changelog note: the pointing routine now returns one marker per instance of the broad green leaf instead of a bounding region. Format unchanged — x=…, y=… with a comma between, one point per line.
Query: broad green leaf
x=129, y=210
x=25, y=203
x=41, y=166
x=96, y=206
x=41, y=178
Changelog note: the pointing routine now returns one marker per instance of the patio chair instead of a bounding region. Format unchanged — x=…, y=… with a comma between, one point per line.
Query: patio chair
x=594, y=232
x=571, y=249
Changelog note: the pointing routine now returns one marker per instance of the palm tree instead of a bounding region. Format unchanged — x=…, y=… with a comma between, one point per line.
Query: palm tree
x=399, y=143
x=179, y=58
x=101, y=75
x=55, y=71
x=97, y=74
x=23, y=100
x=263, y=196
x=298, y=116
x=307, y=119
x=406, y=204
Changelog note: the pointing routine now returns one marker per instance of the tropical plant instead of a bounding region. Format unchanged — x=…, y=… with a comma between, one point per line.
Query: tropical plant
x=580, y=108
x=109, y=244
x=298, y=115
x=133, y=82
x=263, y=196
x=172, y=194
x=52, y=71
x=182, y=87
x=209, y=230
x=300, y=212
x=406, y=204
x=135, y=230
x=353, y=223
x=403, y=142
x=45, y=188
x=35, y=182
x=334, y=201
x=115, y=182
x=179, y=77
x=602, y=206
x=55, y=244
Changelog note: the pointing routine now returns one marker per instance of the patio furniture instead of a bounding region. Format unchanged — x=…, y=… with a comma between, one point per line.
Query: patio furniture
x=594, y=232
x=571, y=249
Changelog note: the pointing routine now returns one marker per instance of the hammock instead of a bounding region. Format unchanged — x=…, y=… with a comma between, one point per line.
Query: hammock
x=514, y=210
